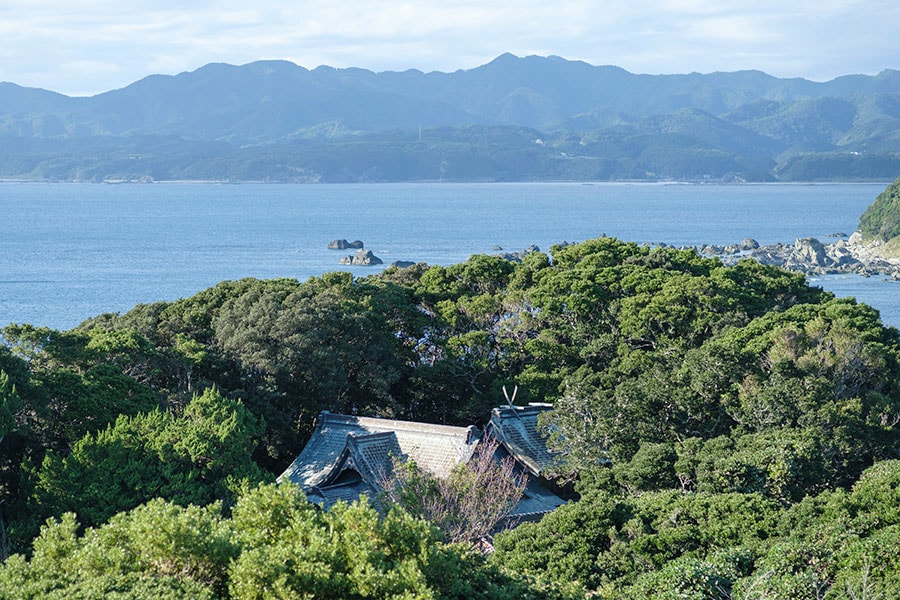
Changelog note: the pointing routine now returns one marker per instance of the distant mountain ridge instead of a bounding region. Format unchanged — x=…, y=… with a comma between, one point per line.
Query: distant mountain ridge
x=529, y=118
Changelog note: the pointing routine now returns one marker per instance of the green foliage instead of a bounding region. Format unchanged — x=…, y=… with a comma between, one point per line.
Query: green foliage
x=651, y=468
x=275, y=545
x=869, y=567
x=881, y=221
x=565, y=545
x=877, y=494
x=197, y=458
x=782, y=464
x=328, y=344
x=690, y=578
x=158, y=548
x=601, y=539
x=722, y=423
x=836, y=544
x=347, y=552
x=80, y=382
x=10, y=404
x=634, y=344
x=827, y=369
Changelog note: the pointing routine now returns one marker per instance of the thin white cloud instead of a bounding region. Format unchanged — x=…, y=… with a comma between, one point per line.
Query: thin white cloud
x=88, y=47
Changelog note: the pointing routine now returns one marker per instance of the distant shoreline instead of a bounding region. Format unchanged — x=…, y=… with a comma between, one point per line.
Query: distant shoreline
x=6, y=180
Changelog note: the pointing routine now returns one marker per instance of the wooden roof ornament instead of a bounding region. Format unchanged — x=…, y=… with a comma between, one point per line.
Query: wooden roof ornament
x=517, y=429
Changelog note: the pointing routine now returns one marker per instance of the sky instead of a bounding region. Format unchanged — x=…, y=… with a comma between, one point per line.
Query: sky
x=82, y=48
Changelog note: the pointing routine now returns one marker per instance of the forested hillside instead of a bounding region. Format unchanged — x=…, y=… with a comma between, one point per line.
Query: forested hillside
x=732, y=430
x=513, y=119
x=881, y=221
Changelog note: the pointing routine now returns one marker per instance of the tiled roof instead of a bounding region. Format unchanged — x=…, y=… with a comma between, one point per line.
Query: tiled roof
x=536, y=501
x=347, y=456
x=347, y=492
x=372, y=455
x=517, y=429
x=434, y=448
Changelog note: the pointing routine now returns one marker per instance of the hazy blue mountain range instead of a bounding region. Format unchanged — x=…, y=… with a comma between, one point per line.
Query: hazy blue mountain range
x=511, y=119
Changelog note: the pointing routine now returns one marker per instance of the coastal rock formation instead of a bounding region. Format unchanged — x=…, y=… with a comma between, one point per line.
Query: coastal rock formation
x=402, y=264
x=344, y=244
x=809, y=252
x=811, y=257
x=518, y=256
x=749, y=244
x=362, y=258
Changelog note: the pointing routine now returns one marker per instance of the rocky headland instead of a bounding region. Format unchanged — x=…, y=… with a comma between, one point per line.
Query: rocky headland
x=812, y=257
x=846, y=255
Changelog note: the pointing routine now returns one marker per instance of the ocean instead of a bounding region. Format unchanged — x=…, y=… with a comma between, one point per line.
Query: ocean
x=72, y=251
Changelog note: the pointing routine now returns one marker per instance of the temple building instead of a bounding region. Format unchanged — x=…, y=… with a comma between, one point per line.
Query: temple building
x=348, y=456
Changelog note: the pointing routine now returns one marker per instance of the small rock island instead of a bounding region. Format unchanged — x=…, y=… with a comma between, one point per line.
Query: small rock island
x=344, y=244
x=362, y=258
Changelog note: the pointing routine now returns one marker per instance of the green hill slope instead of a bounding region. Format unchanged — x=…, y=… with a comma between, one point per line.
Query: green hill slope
x=277, y=121
x=881, y=221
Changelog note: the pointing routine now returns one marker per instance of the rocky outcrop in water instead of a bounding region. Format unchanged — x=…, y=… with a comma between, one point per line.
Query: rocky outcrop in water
x=518, y=256
x=402, y=264
x=362, y=258
x=344, y=244
x=811, y=257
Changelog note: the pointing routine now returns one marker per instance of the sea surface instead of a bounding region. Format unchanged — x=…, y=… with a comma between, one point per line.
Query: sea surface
x=72, y=251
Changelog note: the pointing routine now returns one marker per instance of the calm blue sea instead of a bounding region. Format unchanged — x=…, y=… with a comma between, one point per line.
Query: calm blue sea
x=71, y=251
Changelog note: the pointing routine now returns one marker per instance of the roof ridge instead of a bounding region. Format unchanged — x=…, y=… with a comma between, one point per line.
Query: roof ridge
x=394, y=424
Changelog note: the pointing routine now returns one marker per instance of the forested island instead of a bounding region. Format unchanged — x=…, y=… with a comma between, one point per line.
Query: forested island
x=729, y=432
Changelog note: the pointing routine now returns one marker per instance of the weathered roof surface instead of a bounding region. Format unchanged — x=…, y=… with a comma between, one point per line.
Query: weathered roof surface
x=347, y=492
x=372, y=455
x=434, y=448
x=347, y=457
x=536, y=502
x=517, y=429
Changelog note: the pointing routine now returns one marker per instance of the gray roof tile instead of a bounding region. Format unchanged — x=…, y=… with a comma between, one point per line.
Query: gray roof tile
x=343, y=445
x=517, y=429
x=435, y=448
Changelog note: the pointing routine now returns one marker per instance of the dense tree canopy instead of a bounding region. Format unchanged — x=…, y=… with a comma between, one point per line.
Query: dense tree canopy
x=881, y=221
x=668, y=544
x=274, y=545
x=726, y=394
